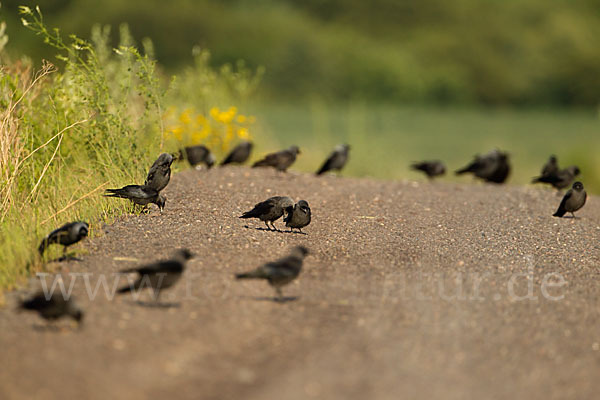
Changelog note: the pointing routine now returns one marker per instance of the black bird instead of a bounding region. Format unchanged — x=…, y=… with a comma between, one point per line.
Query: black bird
x=491, y=167
x=269, y=210
x=549, y=169
x=281, y=272
x=197, y=155
x=239, y=154
x=573, y=200
x=141, y=195
x=281, y=160
x=68, y=234
x=336, y=160
x=160, y=275
x=160, y=172
x=430, y=168
x=298, y=216
x=53, y=307
x=560, y=179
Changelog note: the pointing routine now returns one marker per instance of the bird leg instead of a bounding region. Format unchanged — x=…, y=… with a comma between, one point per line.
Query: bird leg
x=267, y=224
x=279, y=294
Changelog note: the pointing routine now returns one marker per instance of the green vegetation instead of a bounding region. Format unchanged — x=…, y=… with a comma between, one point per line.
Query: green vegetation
x=418, y=51
x=66, y=135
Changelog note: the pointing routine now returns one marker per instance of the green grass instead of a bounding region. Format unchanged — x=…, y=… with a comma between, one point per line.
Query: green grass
x=385, y=139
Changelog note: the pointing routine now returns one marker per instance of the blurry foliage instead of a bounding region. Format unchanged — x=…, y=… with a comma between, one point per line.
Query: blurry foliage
x=438, y=51
x=95, y=120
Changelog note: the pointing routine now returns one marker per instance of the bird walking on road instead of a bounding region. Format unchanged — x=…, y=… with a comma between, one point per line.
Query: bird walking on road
x=139, y=194
x=298, y=216
x=270, y=210
x=197, y=155
x=239, y=154
x=281, y=272
x=492, y=167
x=336, y=160
x=280, y=160
x=158, y=276
x=160, y=172
x=53, y=307
x=430, y=168
x=573, y=200
x=68, y=234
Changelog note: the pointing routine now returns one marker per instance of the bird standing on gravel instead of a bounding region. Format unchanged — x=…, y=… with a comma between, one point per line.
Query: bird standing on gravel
x=53, y=307
x=560, y=179
x=430, y=168
x=281, y=160
x=197, y=155
x=239, y=154
x=281, y=272
x=573, y=200
x=68, y=234
x=270, y=210
x=336, y=160
x=160, y=275
x=139, y=194
x=491, y=167
x=160, y=172
x=298, y=216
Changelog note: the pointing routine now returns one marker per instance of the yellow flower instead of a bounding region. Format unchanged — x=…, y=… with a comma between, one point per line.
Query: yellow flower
x=185, y=118
x=243, y=133
x=214, y=113
x=241, y=119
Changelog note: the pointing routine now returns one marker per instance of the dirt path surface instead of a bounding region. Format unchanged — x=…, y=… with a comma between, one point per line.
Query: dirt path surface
x=412, y=290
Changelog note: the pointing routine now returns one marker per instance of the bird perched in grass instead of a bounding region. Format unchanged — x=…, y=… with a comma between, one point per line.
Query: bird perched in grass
x=68, y=234
x=52, y=307
x=139, y=194
x=573, y=200
x=492, y=167
x=269, y=210
x=198, y=155
x=281, y=272
x=239, y=154
x=280, y=160
x=336, y=160
x=298, y=216
x=160, y=275
x=160, y=172
x=430, y=168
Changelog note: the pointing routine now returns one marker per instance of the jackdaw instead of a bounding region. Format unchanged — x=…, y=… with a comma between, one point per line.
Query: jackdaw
x=68, y=234
x=139, y=194
x=430, y=168
x=160, y=275
x=491, y=167
x=160, y=172
x=298, y=216
x=549, y=169
x=270, y=210
x=239, y=154
x=337, y=159
x=53, y=307
x=560, y=179
x=197, y=155
x=573, y=200
x=281, y=160
x=281, y=272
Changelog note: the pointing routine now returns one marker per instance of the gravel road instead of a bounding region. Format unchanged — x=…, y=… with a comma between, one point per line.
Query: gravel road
x=412, y=290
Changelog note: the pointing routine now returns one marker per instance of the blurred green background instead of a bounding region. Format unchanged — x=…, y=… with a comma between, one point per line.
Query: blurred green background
x=399, y=80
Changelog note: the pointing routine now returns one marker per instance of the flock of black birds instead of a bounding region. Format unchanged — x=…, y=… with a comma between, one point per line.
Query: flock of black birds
x=492, y=167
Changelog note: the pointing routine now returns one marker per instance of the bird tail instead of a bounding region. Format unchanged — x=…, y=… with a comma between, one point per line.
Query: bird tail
x=256, y=274
x=322, y=170
x=125, y=289
x=112, y=193
x=42, y=247
x=463, y=170
x=261, y=163
x=536, y=179
x=247, y=214
x=559, y=213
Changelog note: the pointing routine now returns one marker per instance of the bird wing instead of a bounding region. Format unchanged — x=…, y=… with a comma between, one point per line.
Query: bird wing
x=133, y=192
x=328, y=164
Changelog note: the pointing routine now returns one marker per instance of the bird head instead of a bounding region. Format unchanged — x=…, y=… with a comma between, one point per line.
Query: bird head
x=295, y=149
x=300, y=251
x=574, y=170
x=165, y=159
x=184, y=254
x=303, y=204
x=83, y=230
x=578, y=186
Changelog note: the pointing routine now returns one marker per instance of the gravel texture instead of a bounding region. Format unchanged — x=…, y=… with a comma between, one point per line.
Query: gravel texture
x=412, y=290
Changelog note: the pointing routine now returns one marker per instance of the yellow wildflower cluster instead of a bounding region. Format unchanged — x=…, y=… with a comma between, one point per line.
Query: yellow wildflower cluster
x=218, y=131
